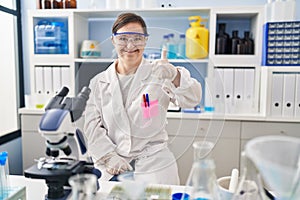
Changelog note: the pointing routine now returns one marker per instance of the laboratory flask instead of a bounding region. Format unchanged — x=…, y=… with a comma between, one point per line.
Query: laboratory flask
x=84, y=187
x=250, y=186
x=202, y=182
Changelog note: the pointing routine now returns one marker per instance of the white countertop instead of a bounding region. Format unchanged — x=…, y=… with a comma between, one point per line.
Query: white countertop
x=204, y=116
x=36, y=189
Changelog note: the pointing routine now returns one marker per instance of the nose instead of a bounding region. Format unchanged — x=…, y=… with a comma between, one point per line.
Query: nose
x=130, y=44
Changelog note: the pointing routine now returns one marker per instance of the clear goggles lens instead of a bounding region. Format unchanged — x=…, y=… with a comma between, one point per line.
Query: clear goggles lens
x=137, y=39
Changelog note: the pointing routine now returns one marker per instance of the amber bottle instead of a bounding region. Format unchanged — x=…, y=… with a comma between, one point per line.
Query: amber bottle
x=70, y=4
x=57, y=4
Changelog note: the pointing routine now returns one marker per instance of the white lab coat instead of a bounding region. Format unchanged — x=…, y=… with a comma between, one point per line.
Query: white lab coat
x=111, y=126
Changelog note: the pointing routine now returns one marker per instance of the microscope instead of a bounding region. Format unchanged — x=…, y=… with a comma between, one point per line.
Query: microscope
x=59, y=129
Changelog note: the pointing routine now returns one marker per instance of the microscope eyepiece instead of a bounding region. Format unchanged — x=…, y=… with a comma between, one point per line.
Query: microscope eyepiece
x=84, y=93
x=63, y=92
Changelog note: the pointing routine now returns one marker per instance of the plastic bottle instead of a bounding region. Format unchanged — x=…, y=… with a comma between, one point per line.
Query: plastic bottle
x=235, y=41
x=196, y=39
x=248, y=42
x=172, y=47
x=164, y=43
x=202, y=181
x=222, y=40
x=4, y=172
x=181, y=47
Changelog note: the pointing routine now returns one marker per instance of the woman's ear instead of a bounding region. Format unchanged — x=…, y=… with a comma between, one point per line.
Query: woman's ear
x=112, y=40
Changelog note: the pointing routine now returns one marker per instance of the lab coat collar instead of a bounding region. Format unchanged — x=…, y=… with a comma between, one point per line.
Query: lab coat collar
x=142, y=73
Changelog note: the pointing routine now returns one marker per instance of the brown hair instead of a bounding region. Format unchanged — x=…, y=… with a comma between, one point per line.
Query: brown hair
x=127, y=18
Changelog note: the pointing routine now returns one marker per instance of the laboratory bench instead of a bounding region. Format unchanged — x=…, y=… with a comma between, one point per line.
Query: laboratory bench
x=229, y=132
x=37, y=188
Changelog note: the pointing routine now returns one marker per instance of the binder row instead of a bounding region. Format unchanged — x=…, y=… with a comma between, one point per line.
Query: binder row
x=285, y=97
x=231, y=90
x=50, y=79
x=281, y=43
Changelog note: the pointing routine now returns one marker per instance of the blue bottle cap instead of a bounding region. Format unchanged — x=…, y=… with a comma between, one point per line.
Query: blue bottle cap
x=180, y=196
x=3, y=158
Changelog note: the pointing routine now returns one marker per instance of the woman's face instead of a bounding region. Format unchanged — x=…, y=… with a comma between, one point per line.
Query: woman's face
x=130, y=42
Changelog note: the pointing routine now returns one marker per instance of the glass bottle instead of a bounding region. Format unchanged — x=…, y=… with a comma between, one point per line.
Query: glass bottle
x=84, y=187
x=249, y=43
x=201, y=183
x=47, y=4
x=57, y=4
x=172, y=49
x=181, y=47
x=235, y=41
x=70, y=4
x=222, y=40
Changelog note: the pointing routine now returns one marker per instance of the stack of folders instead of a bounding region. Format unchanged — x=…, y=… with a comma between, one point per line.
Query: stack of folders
x=231, y=90
x=50, y=79
x=285, y=94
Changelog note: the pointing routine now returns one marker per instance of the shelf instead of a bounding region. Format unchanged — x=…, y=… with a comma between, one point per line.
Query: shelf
x=106, y=60
x=235, y=60
x=153, y=12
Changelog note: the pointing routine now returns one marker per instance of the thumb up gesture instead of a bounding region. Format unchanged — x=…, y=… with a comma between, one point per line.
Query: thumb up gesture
x=163, y=69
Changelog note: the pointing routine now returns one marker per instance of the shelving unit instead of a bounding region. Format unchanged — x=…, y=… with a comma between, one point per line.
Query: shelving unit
x=96, y=24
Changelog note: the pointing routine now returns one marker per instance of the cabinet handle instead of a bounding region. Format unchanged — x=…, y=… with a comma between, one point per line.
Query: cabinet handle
x=283, y=133
x=202, y=129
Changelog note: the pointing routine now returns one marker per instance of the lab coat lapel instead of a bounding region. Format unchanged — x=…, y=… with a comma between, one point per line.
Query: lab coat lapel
x=119, y=113
x=142, y=73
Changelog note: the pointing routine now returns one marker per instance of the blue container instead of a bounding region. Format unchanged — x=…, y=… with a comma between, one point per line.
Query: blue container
x=179, y=196
x=51, y=37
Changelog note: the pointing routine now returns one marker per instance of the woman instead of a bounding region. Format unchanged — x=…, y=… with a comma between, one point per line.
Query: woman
x=125, y=117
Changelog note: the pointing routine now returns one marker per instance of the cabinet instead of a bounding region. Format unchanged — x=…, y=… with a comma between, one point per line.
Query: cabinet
x=224, y=134
x=250, y=129
x=280, y=92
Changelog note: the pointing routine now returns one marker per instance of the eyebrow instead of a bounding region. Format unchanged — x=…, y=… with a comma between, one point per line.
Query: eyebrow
x=131, y=33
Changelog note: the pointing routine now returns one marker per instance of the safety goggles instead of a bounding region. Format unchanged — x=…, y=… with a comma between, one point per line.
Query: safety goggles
x=137, y=39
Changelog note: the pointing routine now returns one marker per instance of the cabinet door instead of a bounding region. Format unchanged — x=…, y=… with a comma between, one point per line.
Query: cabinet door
x=226, y=153
x=33, y=144
x=251, y=130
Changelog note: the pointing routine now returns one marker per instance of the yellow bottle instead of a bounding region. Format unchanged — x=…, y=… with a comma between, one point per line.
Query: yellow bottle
x=196, y=39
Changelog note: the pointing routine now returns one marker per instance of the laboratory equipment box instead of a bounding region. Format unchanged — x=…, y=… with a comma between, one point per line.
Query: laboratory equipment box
x=281, y=44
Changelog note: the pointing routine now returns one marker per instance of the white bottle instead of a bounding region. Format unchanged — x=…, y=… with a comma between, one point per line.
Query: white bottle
x=164, y=43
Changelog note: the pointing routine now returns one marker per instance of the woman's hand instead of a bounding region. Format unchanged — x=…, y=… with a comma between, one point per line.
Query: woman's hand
x=163, y=69
x=115, y=164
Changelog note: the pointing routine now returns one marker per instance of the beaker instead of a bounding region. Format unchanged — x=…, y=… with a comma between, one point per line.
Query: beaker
x=201, y=183
x=250, y=186
x=84, y=187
